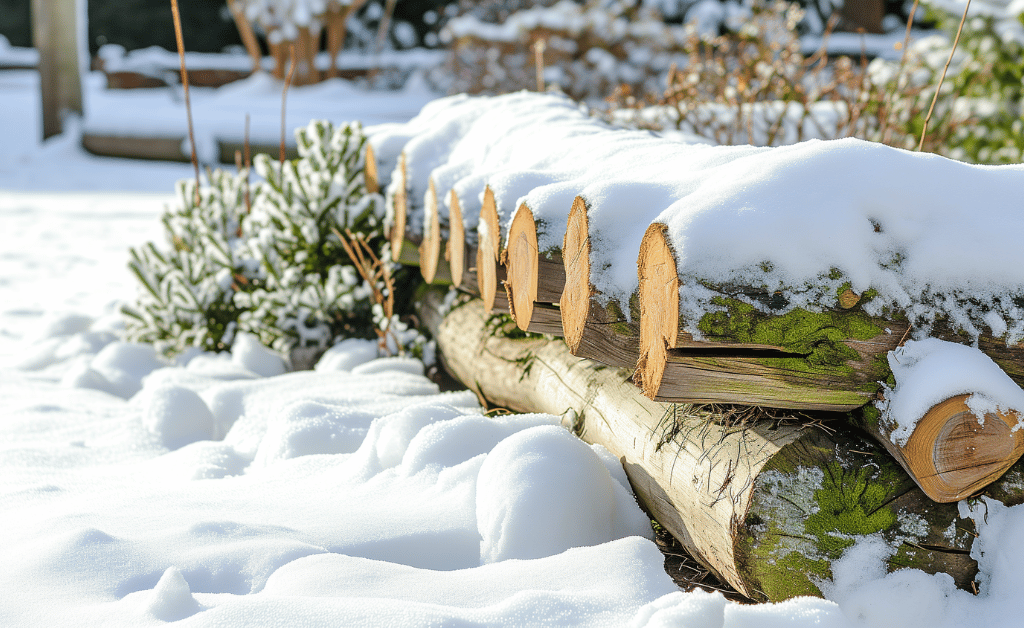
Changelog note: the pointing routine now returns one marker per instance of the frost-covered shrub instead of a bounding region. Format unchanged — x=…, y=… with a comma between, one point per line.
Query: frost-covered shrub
x=265, y=258
x=590, y=48
x=983, y=90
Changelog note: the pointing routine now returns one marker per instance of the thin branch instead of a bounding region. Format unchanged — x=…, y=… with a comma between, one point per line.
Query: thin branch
x=184, y=83
x=284, y=98
x=891, y=96
x=924, y=131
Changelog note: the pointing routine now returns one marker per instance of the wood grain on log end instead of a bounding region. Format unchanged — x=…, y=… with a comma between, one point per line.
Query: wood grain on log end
x=952, y=454
x=488, y=249
x=521, y=265
x=370, y=170
x=455, y=249
x=659, y=307
x=400, y=206
x=575, y=302
x=430, y=247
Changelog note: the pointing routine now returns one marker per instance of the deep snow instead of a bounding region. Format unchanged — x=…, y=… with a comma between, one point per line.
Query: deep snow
x=352, y=495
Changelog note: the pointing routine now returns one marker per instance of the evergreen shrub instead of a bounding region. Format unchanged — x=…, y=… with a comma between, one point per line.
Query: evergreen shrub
x=263, y=255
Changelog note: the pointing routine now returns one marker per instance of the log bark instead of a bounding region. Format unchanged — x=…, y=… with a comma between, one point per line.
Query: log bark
x=767, y=508
x=951, y=454
x=455, y=249
x=533, y=276
x=592, y=330
x=488, y=251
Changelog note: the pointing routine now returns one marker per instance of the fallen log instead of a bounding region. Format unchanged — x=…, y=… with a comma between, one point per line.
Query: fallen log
x=592, y=330
x=767, y=506
x=829, y=360
x=534, y=276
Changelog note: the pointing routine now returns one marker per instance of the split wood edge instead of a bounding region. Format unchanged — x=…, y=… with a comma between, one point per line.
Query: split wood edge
x=586, y=323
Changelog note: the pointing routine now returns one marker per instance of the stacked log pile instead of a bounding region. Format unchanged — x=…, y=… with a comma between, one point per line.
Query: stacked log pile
x=766, y=507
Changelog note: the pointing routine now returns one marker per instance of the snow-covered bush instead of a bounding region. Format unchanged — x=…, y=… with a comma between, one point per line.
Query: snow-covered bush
x=266, y=258
x=983, y=90
x=589, y=49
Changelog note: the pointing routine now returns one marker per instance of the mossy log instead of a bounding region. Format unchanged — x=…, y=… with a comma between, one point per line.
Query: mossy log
x=768, y=507
x=592, y=330
x=535, y=277
x=834, y=360
x=829, y=360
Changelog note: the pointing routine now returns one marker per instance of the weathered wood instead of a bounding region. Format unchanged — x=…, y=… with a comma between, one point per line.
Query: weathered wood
x=62, y=54
x=592, y=330
x=533, y=276
x=470, y=286
x=370, y=170
x=430, y=246
x=455, y=249
x=488, y=251
x=399, y=205
x=767, y=507
x=951, y=454
x=829, y=360
x=247, y=34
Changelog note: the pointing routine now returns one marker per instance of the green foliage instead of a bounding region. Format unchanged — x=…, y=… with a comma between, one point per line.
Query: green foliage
x=264, y=257
x=984, y=88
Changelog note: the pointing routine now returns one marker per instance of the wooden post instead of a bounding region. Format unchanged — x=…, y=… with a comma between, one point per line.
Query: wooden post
x=62, y=56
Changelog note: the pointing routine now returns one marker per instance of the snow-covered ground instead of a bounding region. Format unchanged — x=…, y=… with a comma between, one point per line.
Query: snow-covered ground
x=222, y=492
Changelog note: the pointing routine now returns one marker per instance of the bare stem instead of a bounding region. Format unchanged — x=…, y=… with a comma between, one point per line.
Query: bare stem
x=891, y=96
x=184, y=83
x=284, y=96
x=938, y=87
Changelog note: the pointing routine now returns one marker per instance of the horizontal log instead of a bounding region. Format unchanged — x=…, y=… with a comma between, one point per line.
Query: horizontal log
x=767, y=507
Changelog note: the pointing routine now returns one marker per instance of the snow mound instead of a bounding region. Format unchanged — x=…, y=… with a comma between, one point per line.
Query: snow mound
x=177, y=416
x=347, y=354
x=248, y=352
x=172, y=598
x=543, y=491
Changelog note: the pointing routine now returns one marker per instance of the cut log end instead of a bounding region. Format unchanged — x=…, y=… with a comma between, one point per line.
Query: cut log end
x=370, y=171
x=488, y=248
x=575, y=302
x=400, y=207
x=522, y=268
x=952, y=454
x=455, y=250
x=659, y=307
x=430, y=246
